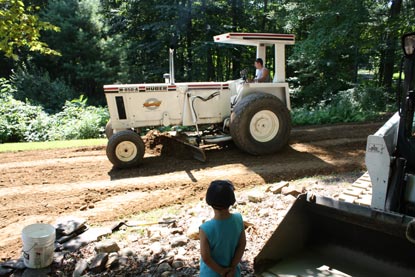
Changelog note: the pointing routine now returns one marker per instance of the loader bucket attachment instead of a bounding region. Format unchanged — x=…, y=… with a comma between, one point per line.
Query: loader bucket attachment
x=321, y=236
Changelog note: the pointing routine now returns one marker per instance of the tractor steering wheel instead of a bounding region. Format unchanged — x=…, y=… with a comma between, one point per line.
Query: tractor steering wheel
x=244, y=74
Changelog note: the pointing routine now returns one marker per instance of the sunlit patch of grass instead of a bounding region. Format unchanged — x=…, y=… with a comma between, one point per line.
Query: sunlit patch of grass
x=44, y=145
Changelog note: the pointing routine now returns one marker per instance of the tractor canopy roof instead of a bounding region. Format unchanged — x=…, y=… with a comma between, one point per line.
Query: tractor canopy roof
x=255, y=39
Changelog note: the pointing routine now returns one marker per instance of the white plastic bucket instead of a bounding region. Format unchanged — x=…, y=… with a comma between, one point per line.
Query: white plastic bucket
x=38, y=245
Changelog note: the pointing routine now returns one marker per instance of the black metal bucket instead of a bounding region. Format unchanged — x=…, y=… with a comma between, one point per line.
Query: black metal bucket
x=321, y=236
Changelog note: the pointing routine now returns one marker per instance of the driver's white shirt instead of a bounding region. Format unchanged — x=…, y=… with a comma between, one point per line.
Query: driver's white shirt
x=260, y=73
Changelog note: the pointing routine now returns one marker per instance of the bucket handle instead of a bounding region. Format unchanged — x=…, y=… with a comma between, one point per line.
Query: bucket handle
x=27, y=252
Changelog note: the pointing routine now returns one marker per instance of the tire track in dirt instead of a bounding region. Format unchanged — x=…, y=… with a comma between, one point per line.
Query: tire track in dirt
x=44, y=185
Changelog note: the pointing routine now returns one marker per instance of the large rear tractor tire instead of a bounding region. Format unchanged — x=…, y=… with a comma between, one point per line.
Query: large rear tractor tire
x=260, y=124
x=125, y=149
x=108, y=129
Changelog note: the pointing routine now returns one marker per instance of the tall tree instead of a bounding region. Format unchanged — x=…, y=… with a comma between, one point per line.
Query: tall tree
x=391, y=39
x=86, y=62
x=20, y=28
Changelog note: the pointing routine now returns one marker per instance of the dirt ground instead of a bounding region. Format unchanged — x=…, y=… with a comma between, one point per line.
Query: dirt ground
x=40, y=186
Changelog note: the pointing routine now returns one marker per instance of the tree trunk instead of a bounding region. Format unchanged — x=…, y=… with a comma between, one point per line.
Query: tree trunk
x=391, y=42
x=189, y=40
x=264, y=18
x=210, y=70
x=235, y=62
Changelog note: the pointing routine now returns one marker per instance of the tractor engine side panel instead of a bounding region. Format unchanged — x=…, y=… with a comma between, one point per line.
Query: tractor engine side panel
x=145, y=109
x=211, y=111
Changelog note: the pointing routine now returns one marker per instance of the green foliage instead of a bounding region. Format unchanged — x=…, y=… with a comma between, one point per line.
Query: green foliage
x=371, y=98
x=35, y=85
x=353, y=105
x=326, y=58
x=104, y=42
x=16, y=117
x=20, y=121
x=20, y=27
x=79, y=121
x=89, y=58
x=44, y=145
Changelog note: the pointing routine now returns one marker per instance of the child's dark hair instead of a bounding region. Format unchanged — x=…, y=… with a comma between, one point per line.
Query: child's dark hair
x=220, y=194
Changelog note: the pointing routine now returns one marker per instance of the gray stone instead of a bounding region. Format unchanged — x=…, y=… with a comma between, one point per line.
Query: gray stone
x=290, y=190
x=289, y=198
x=98, y=263
x=179, y=241
x=89, y=236
x=256, y=197
x=113, y=260
x=5, y=271
x=163, y=267
x=263, y=213
x=58, y=257
x=107, y=246
x=123, y=261
x=68, y=225
x=193, y=231
x=59, y=273
x=177, y=264
x=18, y=273
x=15, y=264
x=277, y=188
x=181, y=251
x=127, y=252
x=62, y=239
x=155, y=236
x=80, y=268
x=156, y=248
x=132, y=238
x=241, y=202
x=171, y=254
x=41, y=272
x=166, y=274
x=176, y=231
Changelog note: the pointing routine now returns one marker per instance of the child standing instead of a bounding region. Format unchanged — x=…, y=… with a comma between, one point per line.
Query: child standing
x=222, y=239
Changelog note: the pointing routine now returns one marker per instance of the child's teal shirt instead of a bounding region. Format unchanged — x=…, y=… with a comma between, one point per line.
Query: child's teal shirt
x=223, y=236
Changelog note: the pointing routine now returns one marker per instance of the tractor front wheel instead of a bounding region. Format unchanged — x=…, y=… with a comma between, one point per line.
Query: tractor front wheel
x=125, y=149
x=260, y=124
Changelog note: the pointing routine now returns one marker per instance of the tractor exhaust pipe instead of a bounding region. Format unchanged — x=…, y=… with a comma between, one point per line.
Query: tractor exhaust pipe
x=171, y=65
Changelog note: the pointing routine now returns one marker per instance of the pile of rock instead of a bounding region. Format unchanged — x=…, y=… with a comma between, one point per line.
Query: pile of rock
x=163, y=249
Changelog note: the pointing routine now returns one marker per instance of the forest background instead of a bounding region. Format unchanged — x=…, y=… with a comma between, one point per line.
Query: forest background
x=56, y=55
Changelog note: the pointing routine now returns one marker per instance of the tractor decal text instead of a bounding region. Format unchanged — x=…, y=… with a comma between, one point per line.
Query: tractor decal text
x=375, y=148
x=156, y=88
x=152, y=103
x=128, y=89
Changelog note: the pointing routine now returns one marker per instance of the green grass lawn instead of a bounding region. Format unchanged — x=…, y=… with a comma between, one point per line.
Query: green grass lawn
x=25, y=146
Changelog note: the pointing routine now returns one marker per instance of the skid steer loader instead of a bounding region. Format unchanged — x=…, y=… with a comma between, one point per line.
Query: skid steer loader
x=321, y=236
x=256, y=116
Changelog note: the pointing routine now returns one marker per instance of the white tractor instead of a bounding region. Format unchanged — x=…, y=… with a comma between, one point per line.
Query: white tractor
x=256, y=116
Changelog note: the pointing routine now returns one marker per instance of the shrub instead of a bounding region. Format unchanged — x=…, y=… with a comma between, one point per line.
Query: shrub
x=343, y=107
x=371, y=98
x=20, y=121
x=79, y=121
x=35, y=85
